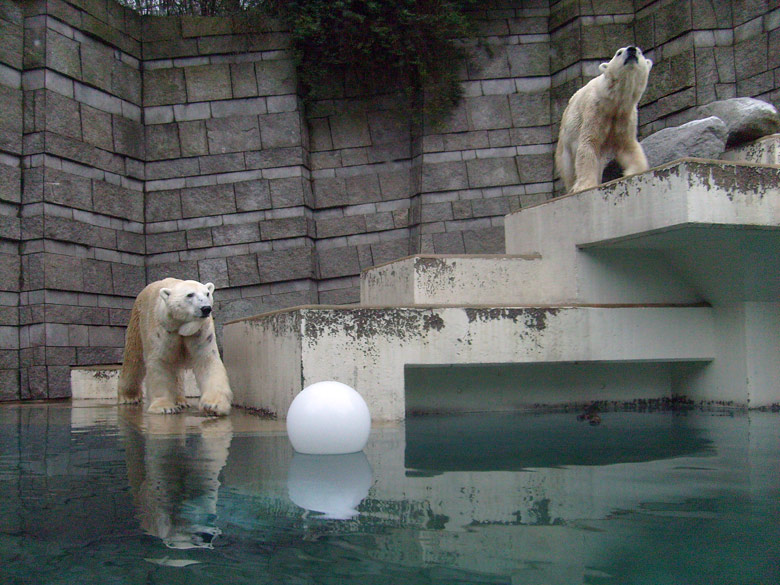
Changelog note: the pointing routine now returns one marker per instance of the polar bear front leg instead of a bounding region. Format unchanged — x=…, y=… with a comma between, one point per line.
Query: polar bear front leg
x=212, y=378
x=587, y=166
x=163, y=386
x=210, y=373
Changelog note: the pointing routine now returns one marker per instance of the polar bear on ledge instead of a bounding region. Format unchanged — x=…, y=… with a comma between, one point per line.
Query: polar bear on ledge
x=171, y=328
x=600, y=122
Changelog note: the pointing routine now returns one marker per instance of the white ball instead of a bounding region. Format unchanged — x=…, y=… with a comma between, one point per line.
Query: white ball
x=328, y=418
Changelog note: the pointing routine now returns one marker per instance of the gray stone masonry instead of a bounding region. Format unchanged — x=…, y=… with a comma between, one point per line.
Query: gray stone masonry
x=134, y=148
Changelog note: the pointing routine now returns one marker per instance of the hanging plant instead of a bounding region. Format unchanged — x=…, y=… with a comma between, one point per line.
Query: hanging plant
x=408, y=46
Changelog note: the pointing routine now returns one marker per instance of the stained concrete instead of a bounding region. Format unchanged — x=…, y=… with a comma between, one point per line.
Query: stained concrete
x=675, y=270
x=270, y=358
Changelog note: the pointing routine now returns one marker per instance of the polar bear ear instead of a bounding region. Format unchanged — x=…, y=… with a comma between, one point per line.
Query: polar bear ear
x=649, y=64
x=165, y=294
x=603, y=67
x=210, y=287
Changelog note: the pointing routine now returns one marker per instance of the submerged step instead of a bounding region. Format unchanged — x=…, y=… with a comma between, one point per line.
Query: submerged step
x=100, y=382
x=271, y=357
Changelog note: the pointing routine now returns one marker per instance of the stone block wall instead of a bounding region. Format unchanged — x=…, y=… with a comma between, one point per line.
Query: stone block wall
x=228, y=193
x=11, y=132
x=703, y=50
x=384, y=188
x=495, y=153
x=134, y=148
x=81, y=246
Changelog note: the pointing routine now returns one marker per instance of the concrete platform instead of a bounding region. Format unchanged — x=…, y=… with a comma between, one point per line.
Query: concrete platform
x=694, y=229
x=271, y=357
x=688, y=232
x=660, y=284
x=765, y=151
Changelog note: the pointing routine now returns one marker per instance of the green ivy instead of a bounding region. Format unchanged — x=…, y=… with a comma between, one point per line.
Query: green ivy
x=409, y=46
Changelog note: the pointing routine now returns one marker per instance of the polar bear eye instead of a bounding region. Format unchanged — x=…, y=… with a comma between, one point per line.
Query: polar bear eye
x=620, y=52
x=189, y=296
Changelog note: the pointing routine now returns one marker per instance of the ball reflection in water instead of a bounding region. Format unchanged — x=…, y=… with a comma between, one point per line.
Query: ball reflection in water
x=331, y=486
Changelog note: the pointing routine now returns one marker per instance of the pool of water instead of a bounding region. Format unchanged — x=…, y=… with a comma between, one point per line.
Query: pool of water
x=111, y=496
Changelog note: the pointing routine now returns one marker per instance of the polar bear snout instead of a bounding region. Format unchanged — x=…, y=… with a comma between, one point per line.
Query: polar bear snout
x=205, y=310
x=632, y=55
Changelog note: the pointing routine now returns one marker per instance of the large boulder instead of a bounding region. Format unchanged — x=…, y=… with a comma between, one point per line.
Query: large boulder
x=747, y=119
x=699, y=139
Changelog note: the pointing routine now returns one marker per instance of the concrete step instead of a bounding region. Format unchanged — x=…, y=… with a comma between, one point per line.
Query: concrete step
x=712, y=227
x=688, y=232
x=271, y=357
x=449, y=280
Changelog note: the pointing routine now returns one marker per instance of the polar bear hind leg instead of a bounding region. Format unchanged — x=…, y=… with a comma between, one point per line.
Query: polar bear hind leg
x=133, y=369
x=564, y=162
x=631, y=158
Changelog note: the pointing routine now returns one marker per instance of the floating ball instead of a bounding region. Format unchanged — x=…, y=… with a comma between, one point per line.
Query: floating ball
x=328, y=418
x=330, y=485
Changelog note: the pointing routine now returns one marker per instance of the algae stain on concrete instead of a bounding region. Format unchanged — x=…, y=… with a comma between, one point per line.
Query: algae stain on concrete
x=403, y=324
x=531, y=318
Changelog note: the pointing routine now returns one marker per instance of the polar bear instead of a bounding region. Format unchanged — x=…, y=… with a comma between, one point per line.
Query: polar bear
x=172, y=328
x=600, y=121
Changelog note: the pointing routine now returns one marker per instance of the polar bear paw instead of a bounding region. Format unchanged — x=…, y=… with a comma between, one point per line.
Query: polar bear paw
x=215, y=403
x=165, y=406
x=130, y=400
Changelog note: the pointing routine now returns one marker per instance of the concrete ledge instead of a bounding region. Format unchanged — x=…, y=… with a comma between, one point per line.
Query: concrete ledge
x=765, y=151
x=688, y=191
x=271, y=357
x=691, y=230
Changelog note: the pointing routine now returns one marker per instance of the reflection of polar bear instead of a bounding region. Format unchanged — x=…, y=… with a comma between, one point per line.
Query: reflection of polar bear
x=171, y=328
x=174, y=478
x=600, y=121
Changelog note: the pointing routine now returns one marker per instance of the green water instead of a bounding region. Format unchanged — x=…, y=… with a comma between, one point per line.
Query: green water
x=645, y=498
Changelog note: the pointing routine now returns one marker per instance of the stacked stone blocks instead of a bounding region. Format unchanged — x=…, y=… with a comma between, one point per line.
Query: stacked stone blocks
x=133, y=148
x=82, y=242
x=228, y=198
x=11, y=131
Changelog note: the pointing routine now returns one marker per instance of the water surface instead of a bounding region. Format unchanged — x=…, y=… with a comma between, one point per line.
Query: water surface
x=106, y=495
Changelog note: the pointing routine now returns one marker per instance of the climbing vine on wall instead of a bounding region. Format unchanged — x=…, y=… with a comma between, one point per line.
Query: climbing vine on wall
x=413, y=47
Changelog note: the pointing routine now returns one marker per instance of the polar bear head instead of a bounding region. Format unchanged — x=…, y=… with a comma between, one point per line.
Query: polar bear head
x=630, y=69
x=188, y=302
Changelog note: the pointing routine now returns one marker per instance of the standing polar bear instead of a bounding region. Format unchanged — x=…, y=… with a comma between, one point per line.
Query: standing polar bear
x=171, y=328
x=600, y=121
